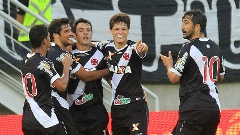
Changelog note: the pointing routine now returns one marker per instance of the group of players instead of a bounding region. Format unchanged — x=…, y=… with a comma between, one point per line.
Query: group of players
x=62, y=80
x=64, y=94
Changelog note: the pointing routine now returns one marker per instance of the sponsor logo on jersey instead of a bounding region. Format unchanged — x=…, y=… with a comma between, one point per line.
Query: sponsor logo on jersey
x=77, y=59
x=181, y=62
x=85, y=98
x=44, y=66
x=120, y=69
x=90, y=69
x=62, y=56
x=120, y=100
x=135, y=127
x=110, y=54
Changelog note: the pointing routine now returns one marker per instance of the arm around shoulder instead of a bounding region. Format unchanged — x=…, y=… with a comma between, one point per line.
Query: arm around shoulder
x=87, y=76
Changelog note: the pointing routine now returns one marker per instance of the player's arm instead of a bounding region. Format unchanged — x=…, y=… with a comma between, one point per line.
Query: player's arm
x=220, y=78
x=168, y=63
x=19, y=18
x=222, y=71
x=61, y=83
x=87, y=76
x=21, y=12
x=174, y=78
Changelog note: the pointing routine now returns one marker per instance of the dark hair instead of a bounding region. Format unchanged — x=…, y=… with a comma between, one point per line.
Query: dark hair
x=80, y=20
x=56, y=26
x=197, y=17
x=120, y=17
x=37, y=34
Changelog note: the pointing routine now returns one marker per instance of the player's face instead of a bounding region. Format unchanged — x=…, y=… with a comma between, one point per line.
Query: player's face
x=65, y=35
x=187, y=28
x=83, y=34
x=120, y=33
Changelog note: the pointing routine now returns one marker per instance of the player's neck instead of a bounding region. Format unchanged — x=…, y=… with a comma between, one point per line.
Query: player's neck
x=83, y=47
x=39, y=50
x=61, y=45
x=120, y=45
x=200, y=35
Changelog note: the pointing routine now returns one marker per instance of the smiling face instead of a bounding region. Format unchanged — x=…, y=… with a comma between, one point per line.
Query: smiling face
x=83, y=34
x=65, y=35
x=120, y=33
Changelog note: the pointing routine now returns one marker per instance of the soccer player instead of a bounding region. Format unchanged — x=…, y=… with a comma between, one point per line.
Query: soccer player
x=199, y=67
x=86, y=99
x=129, y=111
x=38, y=75
x=61, y=34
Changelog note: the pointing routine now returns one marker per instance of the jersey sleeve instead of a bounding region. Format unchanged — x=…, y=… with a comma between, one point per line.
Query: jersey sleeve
x=101, y=44
x=181, y=61
x=75, y=66
x=48, y=70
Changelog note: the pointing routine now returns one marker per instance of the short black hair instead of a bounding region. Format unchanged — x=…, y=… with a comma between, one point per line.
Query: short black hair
x=56, y=26
x=197, y=17
x=37, y=34
x=80, y=20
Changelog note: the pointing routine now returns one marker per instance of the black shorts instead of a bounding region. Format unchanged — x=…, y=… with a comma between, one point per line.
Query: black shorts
x=54, y=130
x=65, y=118
x=97, y=130
x=197, y=123
x=93, y=118
x=131, y=120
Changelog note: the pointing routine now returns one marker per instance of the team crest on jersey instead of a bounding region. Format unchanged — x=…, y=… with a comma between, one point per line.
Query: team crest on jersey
x=126, y=56
x=44, y=66
x=120, y=100
x=85, y=98
x=94, y=61
x=181, y=62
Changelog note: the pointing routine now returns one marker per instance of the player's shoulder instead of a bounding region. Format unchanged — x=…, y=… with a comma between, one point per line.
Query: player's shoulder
x=75, y=51
x=104, y=42
x=131, y=42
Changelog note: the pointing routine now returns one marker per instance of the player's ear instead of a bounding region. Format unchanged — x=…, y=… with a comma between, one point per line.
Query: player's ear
x=110, y=32
x=44, y=41
x=55, y=35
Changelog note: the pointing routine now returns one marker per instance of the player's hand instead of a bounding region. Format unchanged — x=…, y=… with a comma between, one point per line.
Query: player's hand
x=167, y=61
x=145, y=95
x=67, y=60
x=141, y=47
x=69, y=48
